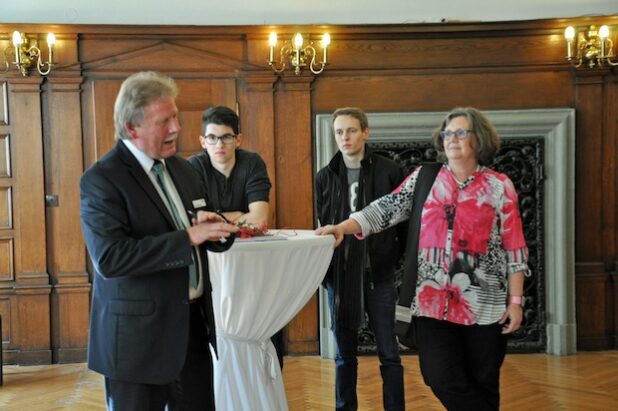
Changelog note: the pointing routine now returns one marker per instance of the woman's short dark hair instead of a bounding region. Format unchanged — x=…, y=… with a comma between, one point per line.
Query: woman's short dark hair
x=485, y=134
x=222, y=116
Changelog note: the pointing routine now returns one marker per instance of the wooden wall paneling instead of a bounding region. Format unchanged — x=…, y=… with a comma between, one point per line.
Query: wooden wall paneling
x=257, y=47
x=590, y=212
x=204, y=78
x=593, y=308
x=7, y=273
x=196, y=95
x=294, y=176
x=614, y=304
x=293, y=147
x=6, y=337
x=434, y=92
x=89, y=130
x=32, y=289
x=609, y=178
x=597, y=136
x=454, y=51
x=4, y=103
x=116, y=41
x=7, y=232
x=257, y=123
x=173, y=58
x=70, y=299
x=611, y=187
x=589, y=157
x=6, y=192
x=99, y=110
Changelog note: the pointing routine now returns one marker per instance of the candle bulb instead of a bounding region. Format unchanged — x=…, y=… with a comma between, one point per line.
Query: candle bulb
x=17, y=40
x=569, y=34
x=325, y=44
x=603, y=34
x=272, y=41
x=298, y=41
x=51, y=40
x=298, y=44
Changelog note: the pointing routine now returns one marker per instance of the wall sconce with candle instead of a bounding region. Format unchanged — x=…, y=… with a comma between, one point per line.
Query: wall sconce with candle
x=591, y=46
x=26, y=53
x=297, y=55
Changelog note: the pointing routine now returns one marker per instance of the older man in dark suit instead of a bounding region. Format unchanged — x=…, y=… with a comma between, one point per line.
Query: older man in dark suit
x=145, y=225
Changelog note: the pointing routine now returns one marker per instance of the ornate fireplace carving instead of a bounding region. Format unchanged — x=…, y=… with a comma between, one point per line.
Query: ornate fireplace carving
x=537, y=148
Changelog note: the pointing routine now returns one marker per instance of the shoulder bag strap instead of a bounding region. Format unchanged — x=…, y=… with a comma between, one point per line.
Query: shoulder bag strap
x=424, y=181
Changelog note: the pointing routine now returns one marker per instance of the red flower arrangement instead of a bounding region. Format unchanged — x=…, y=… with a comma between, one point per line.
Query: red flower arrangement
x=248, y=230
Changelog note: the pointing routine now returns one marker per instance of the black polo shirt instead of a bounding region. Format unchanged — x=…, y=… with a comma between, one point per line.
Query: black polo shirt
x=248, y=182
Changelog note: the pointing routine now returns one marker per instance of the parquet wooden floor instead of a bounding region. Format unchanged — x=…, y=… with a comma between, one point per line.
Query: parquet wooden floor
x=586, y=381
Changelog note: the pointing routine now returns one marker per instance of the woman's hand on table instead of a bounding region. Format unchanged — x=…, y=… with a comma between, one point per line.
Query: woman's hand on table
x=349, y=226
x=335, y=230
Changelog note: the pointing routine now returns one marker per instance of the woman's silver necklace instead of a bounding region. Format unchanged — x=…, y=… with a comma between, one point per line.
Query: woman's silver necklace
x=457, y=180
x=478, y=167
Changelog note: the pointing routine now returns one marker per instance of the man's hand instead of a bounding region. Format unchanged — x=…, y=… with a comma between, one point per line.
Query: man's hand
x=209, y=226
x=207, y=217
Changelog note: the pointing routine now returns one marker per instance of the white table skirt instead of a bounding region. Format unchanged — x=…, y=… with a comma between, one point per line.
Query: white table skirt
x=258, y=287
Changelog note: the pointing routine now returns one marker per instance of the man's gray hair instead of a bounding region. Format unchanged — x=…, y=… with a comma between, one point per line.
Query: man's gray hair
x=136, y=92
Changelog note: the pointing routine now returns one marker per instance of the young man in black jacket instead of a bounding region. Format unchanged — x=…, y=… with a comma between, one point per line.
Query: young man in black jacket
x=361, y=275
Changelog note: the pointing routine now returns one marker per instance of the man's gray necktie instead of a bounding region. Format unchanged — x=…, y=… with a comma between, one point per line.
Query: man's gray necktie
x=158, y=170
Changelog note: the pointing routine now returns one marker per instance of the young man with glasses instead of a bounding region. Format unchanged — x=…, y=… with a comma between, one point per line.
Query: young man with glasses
x=236, y=180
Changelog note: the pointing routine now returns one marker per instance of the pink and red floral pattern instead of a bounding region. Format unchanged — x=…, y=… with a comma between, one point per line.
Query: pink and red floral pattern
x=471, y=239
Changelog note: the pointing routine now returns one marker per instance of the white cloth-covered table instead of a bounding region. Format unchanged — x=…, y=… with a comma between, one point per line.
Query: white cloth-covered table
x=258, y=287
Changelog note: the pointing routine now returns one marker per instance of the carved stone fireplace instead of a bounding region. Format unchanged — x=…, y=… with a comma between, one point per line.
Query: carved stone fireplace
x=551, y=134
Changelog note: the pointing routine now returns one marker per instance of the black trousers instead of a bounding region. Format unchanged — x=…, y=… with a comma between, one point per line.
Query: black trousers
x=193, y=390
x=461, y=363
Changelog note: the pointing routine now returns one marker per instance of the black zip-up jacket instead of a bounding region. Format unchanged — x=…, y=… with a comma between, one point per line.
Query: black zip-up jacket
x=379, y=176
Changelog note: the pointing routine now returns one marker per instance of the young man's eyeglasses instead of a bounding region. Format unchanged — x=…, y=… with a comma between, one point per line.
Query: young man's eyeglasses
x=460, y=133
x=226, y=138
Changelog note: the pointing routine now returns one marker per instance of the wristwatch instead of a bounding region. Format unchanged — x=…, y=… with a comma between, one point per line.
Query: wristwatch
x=517, y=299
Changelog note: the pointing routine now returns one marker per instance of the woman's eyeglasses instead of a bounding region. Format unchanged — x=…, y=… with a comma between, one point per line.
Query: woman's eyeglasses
x=226, y=138
x=460, y=133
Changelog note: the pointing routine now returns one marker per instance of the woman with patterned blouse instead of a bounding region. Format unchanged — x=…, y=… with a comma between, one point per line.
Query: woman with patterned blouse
x=472, y=258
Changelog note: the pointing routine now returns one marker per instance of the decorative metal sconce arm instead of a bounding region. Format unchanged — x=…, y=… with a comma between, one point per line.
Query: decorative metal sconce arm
x=6, y=64
x=609, y=45
x=313, y=66
x=283, y=53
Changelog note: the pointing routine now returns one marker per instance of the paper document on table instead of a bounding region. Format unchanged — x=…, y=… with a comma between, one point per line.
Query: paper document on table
x=267, y=237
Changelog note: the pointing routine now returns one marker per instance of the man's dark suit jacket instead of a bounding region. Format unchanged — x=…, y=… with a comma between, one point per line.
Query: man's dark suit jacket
x=139, y=325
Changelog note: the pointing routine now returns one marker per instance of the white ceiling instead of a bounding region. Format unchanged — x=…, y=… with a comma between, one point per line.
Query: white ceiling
x=255, y=12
